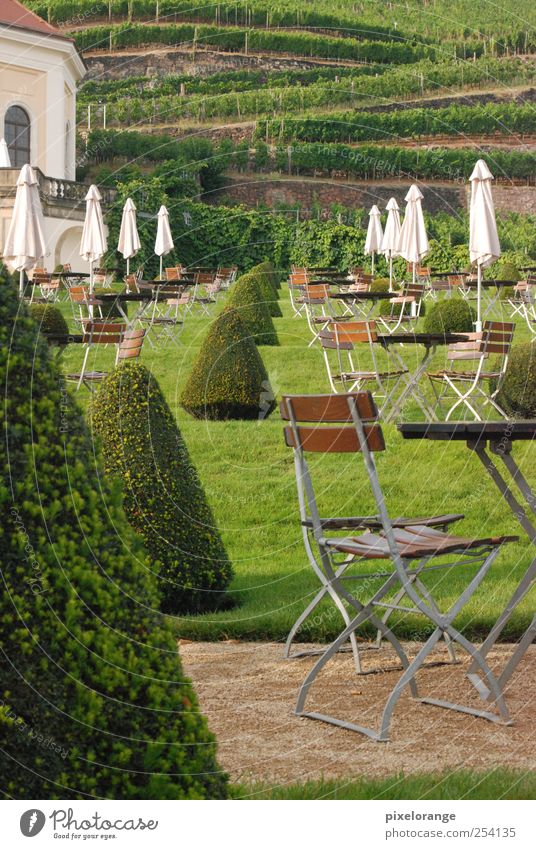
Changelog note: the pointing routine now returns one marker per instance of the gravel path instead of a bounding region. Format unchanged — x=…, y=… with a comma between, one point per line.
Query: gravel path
x=248, y=691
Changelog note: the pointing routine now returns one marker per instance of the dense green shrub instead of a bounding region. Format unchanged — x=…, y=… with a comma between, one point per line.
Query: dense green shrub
x=380, y=284
x=93, y=700
x=518, y=392
x=228, y=378
x=452, y=315
x=248, y=300
x=267, y=292
x=267, y=269
x=163, y=497
x=49, y=318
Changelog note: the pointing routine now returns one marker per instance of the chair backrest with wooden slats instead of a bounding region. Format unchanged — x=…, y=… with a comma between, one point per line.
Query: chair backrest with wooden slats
x=413, y=290
x=131, y=344
x=316, y=293
x=101, y=332
x=346, y=334
x=79, y=294
x=330, y=423
x=299, y=277
x=173, y=273
x=204, y=278
x=495, y=338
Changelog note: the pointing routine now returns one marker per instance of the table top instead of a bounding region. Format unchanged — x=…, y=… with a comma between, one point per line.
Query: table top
x=469, y=431
x=125, y=296
x=428, y=339
x=362, y=296
x=64, y=339
x=451, y=274
x=489, y=284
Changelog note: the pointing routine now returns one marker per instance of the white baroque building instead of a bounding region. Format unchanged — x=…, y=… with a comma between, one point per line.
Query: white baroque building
x=39, y=72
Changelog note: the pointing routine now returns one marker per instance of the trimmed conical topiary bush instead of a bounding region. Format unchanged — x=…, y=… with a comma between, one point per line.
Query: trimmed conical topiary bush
x=269, y=273
x=268, y=293
x=163, y=498
x=247, y=299
x=228, y=379
x=93, y=700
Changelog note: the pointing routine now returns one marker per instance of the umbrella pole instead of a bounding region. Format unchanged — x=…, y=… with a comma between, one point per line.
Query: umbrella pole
x=478, y=325
x=21, y=283
x=91, y=288
x=160, y=267
x=413, y=307
x=390, y=271
x=372, y=268
x=128, y=266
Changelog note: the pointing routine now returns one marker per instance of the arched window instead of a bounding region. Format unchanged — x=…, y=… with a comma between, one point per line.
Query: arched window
x=17, y=136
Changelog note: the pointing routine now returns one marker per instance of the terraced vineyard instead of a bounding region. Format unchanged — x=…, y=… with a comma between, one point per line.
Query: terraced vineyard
x=294, y=89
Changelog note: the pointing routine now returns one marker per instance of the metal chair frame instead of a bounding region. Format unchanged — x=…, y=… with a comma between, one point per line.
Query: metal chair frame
x=348, y=424
x=466, y=387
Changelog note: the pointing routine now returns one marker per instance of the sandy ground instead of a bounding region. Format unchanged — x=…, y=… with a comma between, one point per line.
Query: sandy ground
x=248, y=692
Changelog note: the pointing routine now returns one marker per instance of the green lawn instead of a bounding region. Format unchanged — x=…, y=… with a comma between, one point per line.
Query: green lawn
x=498, y=784
x=248, y=475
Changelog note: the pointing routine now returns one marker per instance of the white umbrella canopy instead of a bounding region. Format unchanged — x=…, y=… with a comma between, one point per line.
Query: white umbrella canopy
x=129, y=240
x=374, y=233
x=5, y=161
x=25, y=243
x=412, y=239
x=484, y=247
x=164, y=242
x=391, y=235
x=93, y=244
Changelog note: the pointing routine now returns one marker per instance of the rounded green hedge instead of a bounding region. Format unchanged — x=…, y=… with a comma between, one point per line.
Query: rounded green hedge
x=228, y=378
x=452, y=315
x=247, y=299
x=93, y=699
x=49, y=319
x=518, y=392
x=268, y=270
x=163, y=497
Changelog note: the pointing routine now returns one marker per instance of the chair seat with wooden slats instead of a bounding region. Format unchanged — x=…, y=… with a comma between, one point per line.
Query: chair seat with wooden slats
x=413, y=541
x=345, y=424
x=495, y=338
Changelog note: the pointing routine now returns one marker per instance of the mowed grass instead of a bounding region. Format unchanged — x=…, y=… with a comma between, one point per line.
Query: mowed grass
x=248, y=475
x=496, y=784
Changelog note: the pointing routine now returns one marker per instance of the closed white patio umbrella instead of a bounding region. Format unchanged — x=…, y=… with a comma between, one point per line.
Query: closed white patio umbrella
x=25, y=243
x=374, y=234
x=5, y=161
x=93, y=244
x=412, y=239
x=484, y=247
x=390, y=236
x=129, y=240
x=164, y=242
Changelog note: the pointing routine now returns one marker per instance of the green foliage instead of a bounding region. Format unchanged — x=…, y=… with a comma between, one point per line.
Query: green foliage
x=240, y=39
x=518, y=392
x=163, y=497
x=380, y=284
x=49, y=318
x=228, y=378
x=88, y=666
x=484, y=119
x=247, y=298
x=110, y=309
x=148, y=195
x=265, y=277
x=451, y=315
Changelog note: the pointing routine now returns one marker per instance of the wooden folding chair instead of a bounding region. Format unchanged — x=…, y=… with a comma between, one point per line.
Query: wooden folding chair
x=81, y=301
x=405, y=551
x=468, y=388
x=128, y=342
x=299, y=278
x=339, y=342
x=405, y=307
x=163, y=317
x=317, y=305
x=523, y=302
x=204, y=281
